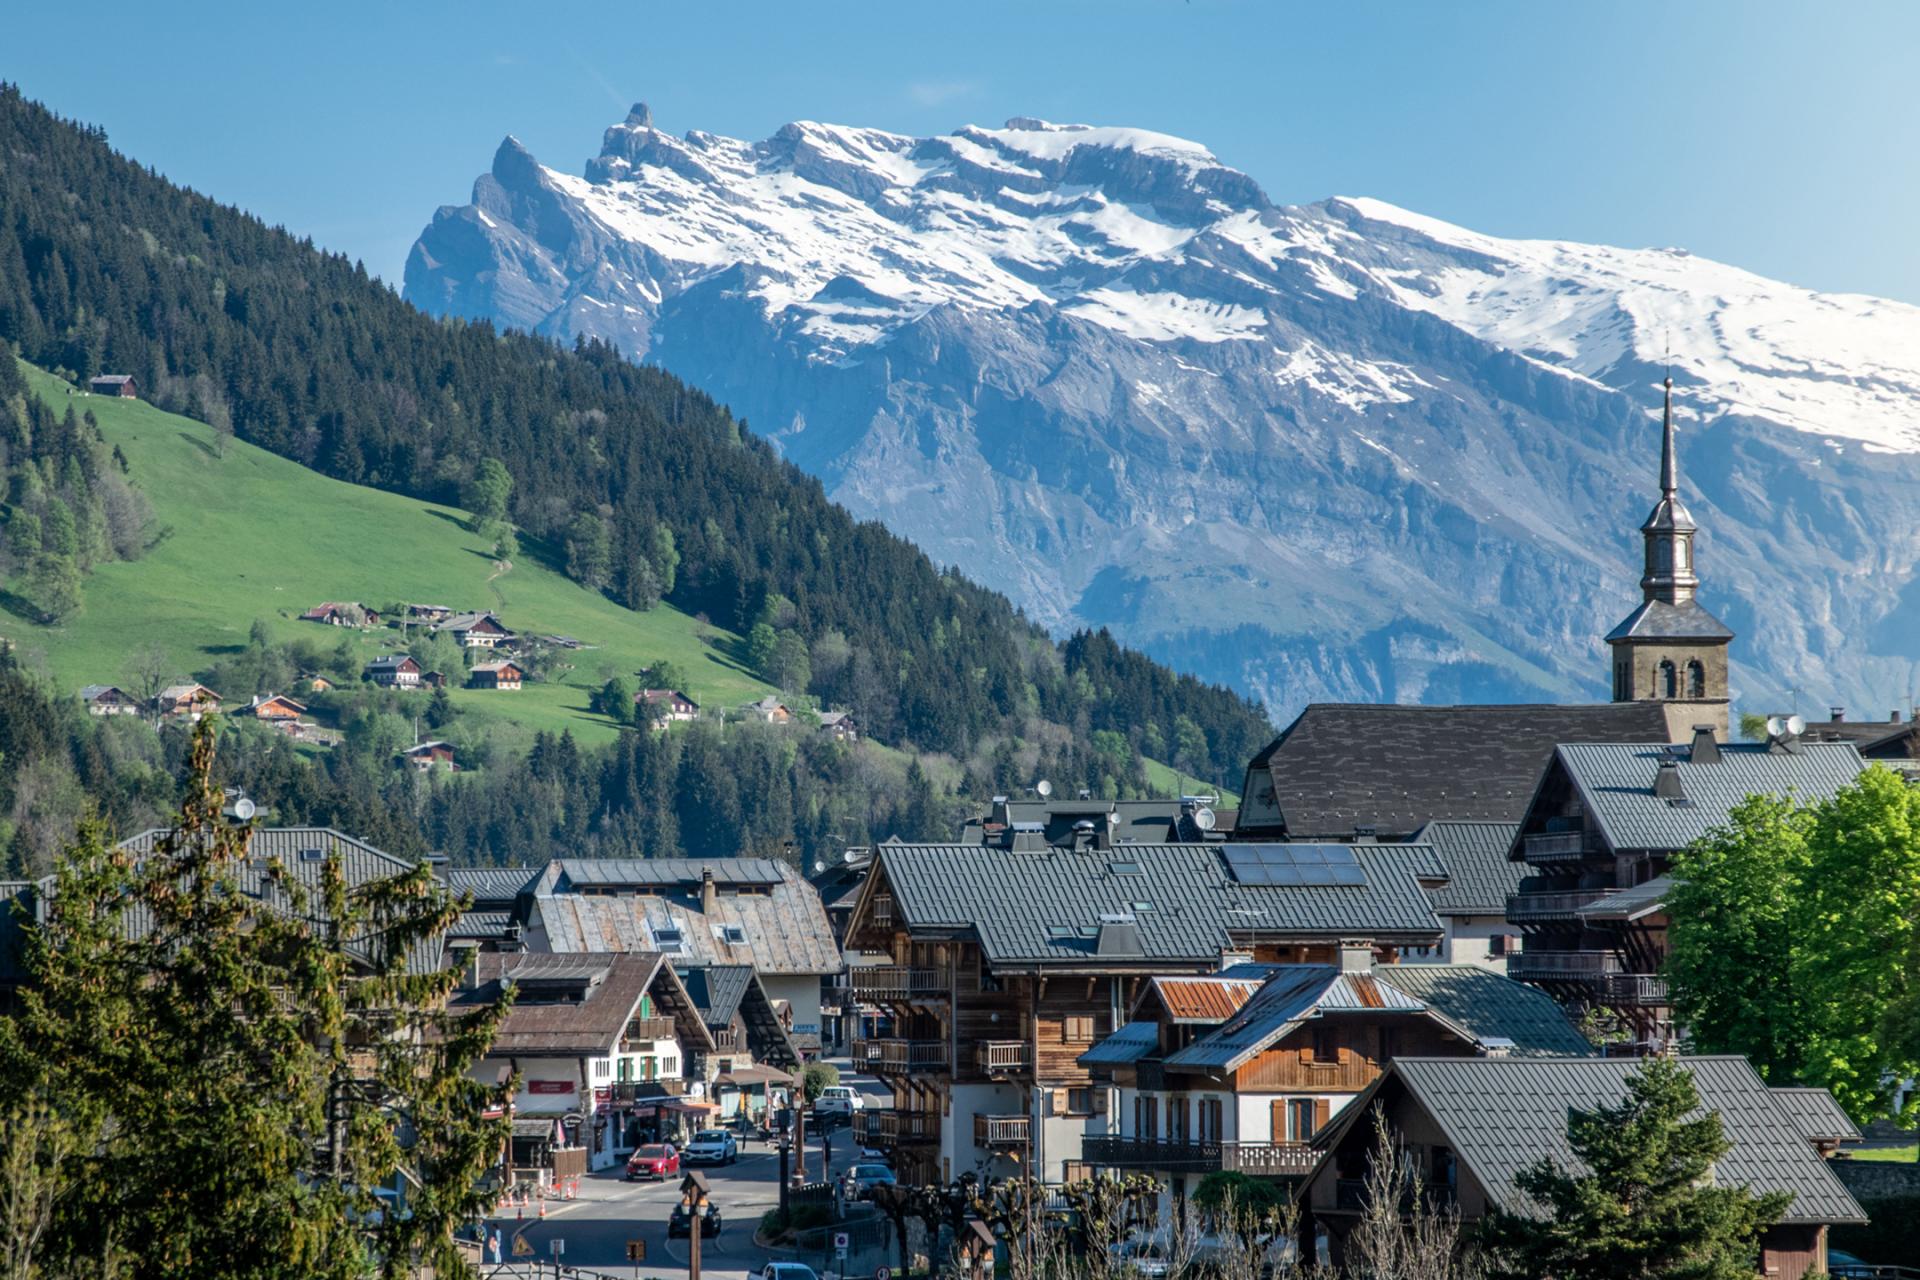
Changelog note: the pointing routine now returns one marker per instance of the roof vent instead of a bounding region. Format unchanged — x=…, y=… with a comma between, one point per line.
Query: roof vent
x=1839, y=714
x=1706, y=747
x=1666, y=782
x=1119, y=936
x=1496, y=1047
x=1365, y=833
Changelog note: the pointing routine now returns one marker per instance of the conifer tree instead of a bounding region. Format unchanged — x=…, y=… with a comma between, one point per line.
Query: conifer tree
x=1646, y=1205
x=257, y=1059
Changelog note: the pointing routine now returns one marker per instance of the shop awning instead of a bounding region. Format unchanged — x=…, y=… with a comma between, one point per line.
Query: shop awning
x=749, y=1077
x=695, y=1105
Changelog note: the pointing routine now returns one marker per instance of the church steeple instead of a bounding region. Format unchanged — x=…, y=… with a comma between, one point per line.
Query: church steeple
x=1668, y=576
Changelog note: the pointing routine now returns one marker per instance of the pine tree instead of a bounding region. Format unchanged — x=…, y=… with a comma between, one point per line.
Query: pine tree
x=251, y=1057
x=1646, y=1206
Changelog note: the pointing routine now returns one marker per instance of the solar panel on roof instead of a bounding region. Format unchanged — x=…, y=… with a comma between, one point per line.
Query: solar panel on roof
x=1294, y=865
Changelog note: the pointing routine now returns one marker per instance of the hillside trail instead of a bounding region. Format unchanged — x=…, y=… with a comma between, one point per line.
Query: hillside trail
x=500, y=569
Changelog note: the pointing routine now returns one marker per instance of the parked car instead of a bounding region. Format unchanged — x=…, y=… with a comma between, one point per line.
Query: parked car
x=711, y=1146
x=678, y=1224
x=837, y=1102
x=863, y=1178
x=655, y=1160
x=785, y=1271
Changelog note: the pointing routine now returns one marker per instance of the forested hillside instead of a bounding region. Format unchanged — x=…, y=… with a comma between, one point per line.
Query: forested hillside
x=105, y=266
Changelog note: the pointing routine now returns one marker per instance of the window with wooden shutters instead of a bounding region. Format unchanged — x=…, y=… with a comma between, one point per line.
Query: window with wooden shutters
x=1301, y=1124
x=1078, y=1028
x=1176, y=1119
x=1326, y=1046
x=1322, y=1112
x=1209, y=1118
x=1277, y=1121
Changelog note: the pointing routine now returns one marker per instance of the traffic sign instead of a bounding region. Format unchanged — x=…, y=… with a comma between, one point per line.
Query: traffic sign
x=883, y=1273
x=522, y=1249
x=636, y=1251
x=557, y=1246
x=841, y=1241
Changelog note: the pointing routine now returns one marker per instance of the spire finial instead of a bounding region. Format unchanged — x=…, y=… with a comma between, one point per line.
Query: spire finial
x=1669, y=466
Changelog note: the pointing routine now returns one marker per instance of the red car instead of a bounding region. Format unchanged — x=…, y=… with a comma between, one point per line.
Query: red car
x=655, y=1160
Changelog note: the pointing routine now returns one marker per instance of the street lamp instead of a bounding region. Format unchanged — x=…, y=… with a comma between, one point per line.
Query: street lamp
x=693, y=1194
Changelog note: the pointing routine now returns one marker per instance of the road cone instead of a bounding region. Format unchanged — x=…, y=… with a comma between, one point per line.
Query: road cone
x=543, y=1208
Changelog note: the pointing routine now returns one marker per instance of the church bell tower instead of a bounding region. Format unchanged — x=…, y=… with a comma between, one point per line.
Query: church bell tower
x=1671, y=650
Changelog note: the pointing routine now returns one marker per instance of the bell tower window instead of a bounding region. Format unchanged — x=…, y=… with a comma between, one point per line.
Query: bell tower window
x=1669, y=679
x=1696, y=679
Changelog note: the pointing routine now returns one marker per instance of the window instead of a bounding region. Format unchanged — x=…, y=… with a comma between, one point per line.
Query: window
x=1077, y=1028
x=600, y=1071
x=1620, y=681
x=1176, y=1119
x=1146, y=1118
x=1389, y=1043
x=1209, y=1119
x=1300, y=1124
x=1696, y=679
x=1080, y=1102
x=1503, y=944
x=1669, y=679
x=1326, y=1046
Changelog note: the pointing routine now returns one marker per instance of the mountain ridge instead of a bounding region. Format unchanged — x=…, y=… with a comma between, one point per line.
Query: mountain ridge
x=1336, y=450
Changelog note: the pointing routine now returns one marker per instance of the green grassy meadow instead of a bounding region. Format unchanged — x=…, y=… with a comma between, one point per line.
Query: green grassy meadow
x=252, y=535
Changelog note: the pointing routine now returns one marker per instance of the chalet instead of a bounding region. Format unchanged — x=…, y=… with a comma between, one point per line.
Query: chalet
x=113, y=384
x=1598, y=840
x=475, y=630
x=424, y=757
x=109, y=700
x=1473, y=903
x=314, y=682
x=668, y=704
x=840, y=726
x=1238, y=1070
x=1010, y=962
x=434, y=679
x=1099, y=824
x=393, y=671
x=492, y=893
x=698, y=911
x=425, y=615
x=336, y=614
x=494, y=675
x=769, y=710
x=753, y=1051
x=275, y=708
x=592, y=1037
x=1895, y=740
x=1388, y=770
x=1469, y=1124
x=187, y=701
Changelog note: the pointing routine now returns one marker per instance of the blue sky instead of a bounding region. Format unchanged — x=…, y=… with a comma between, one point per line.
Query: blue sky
x=1779, y=137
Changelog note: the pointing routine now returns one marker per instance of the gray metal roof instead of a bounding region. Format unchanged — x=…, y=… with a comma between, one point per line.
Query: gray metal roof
x=1128, y=1044
x=1501, y=1115
x=1632, y=903
x=1479, y=877
x=1397, y=768
x=1294, y=994
x=495, y=887
x=716, y=989
x=668, y=873
x=1615, y=780
x=481, y=924
x=1046, y=906
x=1490, y=1006
x=1816, y=1115
x=1658, y=620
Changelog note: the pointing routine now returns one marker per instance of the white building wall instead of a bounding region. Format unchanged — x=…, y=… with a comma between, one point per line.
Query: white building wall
x=801, y=991
x=956, y=1128
x=1470, y=940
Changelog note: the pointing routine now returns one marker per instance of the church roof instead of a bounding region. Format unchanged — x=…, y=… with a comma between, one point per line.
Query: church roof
x=1658, y=620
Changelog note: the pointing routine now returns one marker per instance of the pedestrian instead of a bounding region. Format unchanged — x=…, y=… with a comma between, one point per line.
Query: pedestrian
x=493, y=1246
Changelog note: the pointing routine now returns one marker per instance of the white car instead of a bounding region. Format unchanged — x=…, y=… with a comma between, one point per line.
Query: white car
x=785, y=1271
x=838, y=1102
x=710, y=1146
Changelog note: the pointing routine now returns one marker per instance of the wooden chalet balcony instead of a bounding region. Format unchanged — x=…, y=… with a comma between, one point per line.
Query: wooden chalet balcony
x=1552, y=904
x=1559, y=846
x=1635, y=989
x=730, y=1040
x=1262, y=1159
x=880, y=984
x=1002, y=1131
x=1002, y=1057
x=650, y=1029
x=895, y=1056
x=1562, y=966
x=886, y=1127
x=630, y=1090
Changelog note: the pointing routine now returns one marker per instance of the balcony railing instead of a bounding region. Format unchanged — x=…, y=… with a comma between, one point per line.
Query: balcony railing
x=896, y=982
x=1001, y=1131
x=1552, y=904
x=1559, y=846
x=730, y=1040
x=1267, y=1159
x=1566, y=966
x=1637, y=989
x=885, y=1127
x=1002, y=1057
x=896, y=1055
x=650, y=1029
x=630, y=1090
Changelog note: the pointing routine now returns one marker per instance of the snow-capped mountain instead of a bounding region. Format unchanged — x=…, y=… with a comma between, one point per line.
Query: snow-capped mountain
x=1339, y=450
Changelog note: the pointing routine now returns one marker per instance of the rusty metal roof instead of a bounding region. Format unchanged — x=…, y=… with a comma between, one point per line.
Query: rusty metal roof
x=1209, y=999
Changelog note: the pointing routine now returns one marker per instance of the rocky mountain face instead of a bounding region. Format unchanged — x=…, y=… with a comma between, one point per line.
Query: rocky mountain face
x=1339, y=451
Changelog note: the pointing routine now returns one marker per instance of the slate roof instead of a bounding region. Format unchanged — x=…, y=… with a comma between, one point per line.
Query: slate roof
x=1658, y=620
x=490, y=886
x=723, y=991
x=1502, y=1114
x=1490, y=1006
x=591, y=1026
x=1046, y=906
x=1396, y=768
x=89, y=692
x=1479, y=877
x=1142, y=821
x=782, y=925
x=482, y=925
x=716, y=989
x=1816, y=1115
x=1615, y=781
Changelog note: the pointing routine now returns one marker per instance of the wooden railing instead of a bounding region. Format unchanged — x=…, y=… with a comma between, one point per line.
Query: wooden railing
x=1571, y=965
x=896, y=1055
x=1558, y=846
x=1553, y=904
x=1266, y=1159
x=1000, y=1057
x=886, y=1127
x=1638, y=989
x=896, y=982
x=650, y=1029
x=629, y=1090
x=1002, y=1131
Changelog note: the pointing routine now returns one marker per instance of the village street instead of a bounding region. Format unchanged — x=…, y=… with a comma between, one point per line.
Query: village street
x=610, y=1211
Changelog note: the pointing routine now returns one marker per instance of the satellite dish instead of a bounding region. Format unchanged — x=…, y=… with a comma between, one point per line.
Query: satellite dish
x=243, y=809
x=1203, y=818
x=850, y=856
x=1776, y=727
x=1796, y=725
x=1043, y=788
x=819, y=865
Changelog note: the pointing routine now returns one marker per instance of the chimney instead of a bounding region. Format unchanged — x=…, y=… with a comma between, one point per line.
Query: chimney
x=1893, y=716
x=1083, y=835
x=1365, y=833
x=1706, y=747
x=1666, y=782
x=1839, y=714
x=709, y=897
x=1356, y=955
